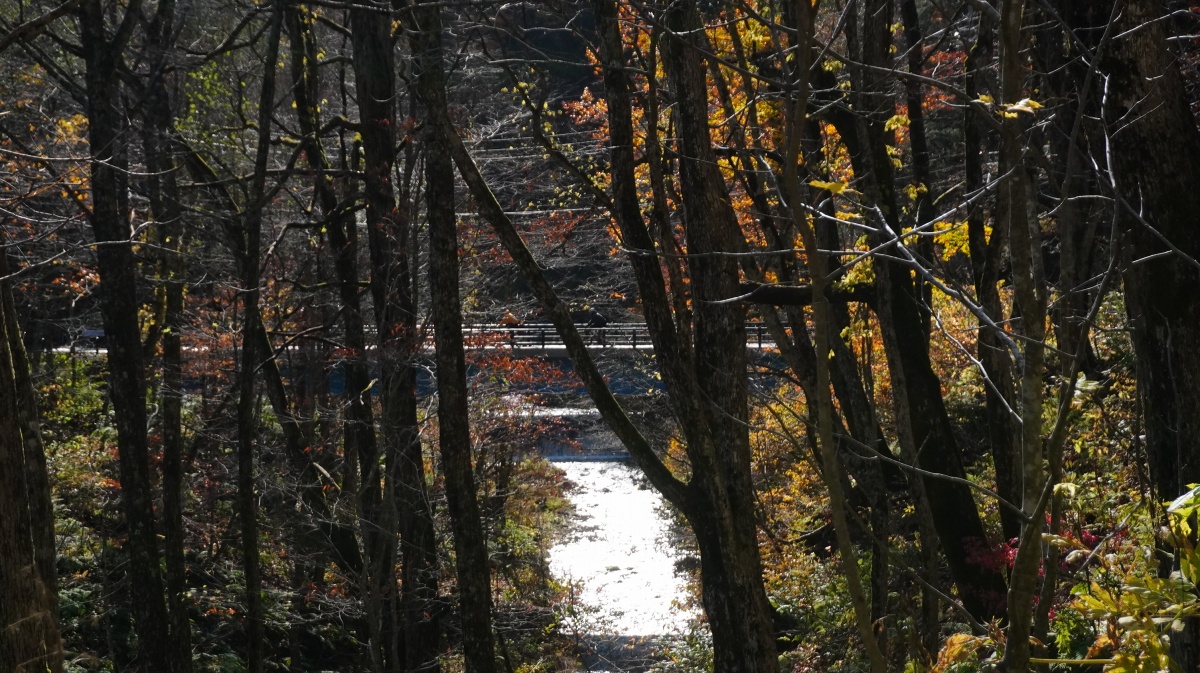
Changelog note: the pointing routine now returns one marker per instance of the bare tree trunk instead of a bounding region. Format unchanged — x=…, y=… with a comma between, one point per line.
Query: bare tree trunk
x=165, y=203
x=923, y=424
x=922, y=172
x=360, y=446
x=119, y=306
x=1030, y=300
x=1070, y=136
x=247, y=428
x=454, y=439
x=719, y=501
x=823, y=330
x=1156, y=166
x=985, y=269
x=405, y=501
x=29, y=632
x=797, y=349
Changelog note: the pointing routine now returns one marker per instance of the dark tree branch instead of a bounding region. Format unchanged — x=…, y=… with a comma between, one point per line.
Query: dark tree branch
x=34, y=27
x=800, y=295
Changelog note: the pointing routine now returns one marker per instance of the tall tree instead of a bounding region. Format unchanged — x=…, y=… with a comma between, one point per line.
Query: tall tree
x=167, y=207
x=405, y=503
x=721, y=503
x=359, y=442
x=29, y=631
x=986, y=260
x=247, y=428
x=924, y=428
x=706, y=384
x=454, y=439
x=1154, y=168
x=1024, y=237
x=103, y=45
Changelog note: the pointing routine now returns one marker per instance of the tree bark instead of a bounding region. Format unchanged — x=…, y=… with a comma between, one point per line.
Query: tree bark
x=29, y=634
x=914, y=94
x=454, y=439
x=360, y=447
x=247, y=428
x=119, y=307
x=1030, y=300
x=864, y=608
x=719, y=502
x=1070, y=136
x=1156, y=166
x=986, y=255
x=405, y=502
x=167, y=207
x=924, y=428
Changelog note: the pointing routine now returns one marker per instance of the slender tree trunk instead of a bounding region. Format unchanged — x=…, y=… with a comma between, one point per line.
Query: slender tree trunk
x=454, y=439
x=1030, y=299
x=923, y=425
x=823, y=335
x=29, y=632
x=660, y=213
x=405, y=501
x=360, y=446
x=1070, y=136
x=985, y=269
x=119, y=307
x=797, y=349
x=247, y=428
x=165, y=203
x=914, y=94
x=1156, y=165
x=720, y=503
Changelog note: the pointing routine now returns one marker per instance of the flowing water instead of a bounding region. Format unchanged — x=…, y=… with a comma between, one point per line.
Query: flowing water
x=620, y=556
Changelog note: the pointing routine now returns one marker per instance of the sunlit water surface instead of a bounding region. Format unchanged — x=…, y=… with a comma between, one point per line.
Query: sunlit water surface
x=620, y=554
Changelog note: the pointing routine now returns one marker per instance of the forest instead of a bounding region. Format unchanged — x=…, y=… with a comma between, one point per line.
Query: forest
x=919, y=302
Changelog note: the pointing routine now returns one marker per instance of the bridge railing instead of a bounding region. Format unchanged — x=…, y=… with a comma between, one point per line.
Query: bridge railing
x=542, y=336
x=533, y=336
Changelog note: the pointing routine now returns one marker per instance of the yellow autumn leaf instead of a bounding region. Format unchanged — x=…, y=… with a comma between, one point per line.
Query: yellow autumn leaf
x=1026, y=105
x=833, y=187
x=896, y=121
x=951, y=237
x=958, y=648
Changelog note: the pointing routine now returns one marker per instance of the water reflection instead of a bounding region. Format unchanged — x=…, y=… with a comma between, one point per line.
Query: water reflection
x=619, y=554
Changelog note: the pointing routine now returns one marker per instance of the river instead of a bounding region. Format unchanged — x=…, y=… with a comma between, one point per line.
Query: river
x=619, y=554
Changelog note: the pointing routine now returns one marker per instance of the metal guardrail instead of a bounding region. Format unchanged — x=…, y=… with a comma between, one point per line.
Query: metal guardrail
x=543, y=336
x=533, y=336
x=530, y=336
